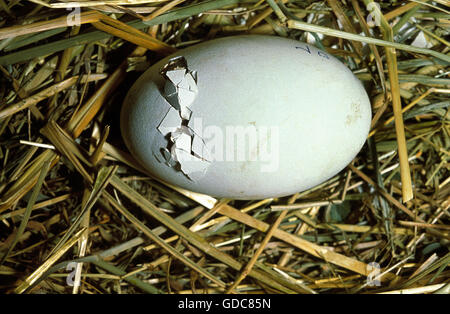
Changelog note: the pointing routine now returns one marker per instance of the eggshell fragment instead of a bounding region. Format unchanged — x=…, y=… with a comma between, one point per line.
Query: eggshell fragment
x=246, y=117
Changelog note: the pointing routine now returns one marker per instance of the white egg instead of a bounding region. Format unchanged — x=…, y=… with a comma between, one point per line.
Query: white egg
x=246, y=117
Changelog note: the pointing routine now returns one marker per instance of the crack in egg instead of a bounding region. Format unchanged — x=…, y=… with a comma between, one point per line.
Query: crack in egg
x=185, y=148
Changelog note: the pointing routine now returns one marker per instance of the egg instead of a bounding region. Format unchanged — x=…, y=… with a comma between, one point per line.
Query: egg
x=246, y=117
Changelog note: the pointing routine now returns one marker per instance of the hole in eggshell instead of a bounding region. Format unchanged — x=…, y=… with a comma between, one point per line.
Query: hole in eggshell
x=186, y=151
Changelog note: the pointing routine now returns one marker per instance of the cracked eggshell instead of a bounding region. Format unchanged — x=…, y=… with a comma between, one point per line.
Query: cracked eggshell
x=310, y=114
